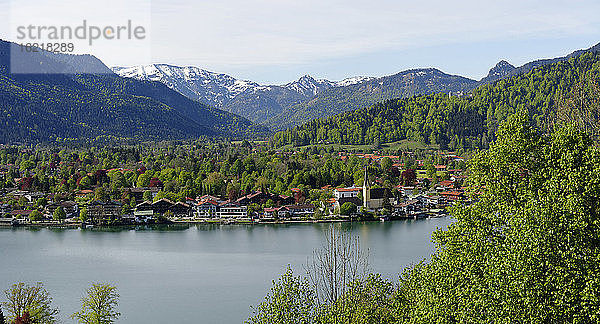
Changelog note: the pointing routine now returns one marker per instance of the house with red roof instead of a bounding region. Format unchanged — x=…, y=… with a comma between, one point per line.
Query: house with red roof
x=453, y=195
x=349, y=194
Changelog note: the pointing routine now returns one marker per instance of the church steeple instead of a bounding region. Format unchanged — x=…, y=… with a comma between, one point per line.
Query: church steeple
x=366, y=190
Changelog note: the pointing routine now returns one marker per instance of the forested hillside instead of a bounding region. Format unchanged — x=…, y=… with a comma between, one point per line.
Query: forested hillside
x=401, y=85
x=507, y=70
x=341, y=99
x=47, y=107
x=467, y=121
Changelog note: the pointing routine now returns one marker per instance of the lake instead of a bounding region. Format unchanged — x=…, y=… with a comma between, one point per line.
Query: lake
x=190, y=274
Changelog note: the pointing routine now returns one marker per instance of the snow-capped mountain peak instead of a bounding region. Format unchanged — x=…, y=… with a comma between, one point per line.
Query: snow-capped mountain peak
x=309, y=86
x=195, y=83
x=220, y=89
x=249, y=99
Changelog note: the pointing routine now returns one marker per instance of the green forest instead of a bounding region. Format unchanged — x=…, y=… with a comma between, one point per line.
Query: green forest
x=546, y=94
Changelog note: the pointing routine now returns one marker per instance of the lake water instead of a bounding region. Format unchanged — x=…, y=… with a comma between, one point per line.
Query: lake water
x=190, y=274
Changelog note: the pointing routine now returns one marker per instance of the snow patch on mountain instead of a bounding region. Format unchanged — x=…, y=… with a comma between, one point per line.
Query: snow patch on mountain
x=353, y=80
x=247, y=98
x=198, y=84
x=219, y=89
x=309, y=86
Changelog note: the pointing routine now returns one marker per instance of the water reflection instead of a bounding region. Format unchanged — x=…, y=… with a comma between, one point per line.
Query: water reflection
x=164, y=271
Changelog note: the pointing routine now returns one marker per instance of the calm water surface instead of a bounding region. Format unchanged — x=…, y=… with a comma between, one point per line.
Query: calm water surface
x=190, y=274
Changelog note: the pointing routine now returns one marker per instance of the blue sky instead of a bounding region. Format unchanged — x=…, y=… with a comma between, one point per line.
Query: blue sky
x=276, y=41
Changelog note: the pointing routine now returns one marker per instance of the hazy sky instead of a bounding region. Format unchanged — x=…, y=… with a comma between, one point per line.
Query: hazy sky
x=276, y=41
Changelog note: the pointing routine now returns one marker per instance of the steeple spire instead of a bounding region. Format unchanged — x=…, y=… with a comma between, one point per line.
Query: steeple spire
x=366, y=190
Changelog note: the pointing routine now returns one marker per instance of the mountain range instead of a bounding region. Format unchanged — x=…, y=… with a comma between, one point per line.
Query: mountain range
x=283, y=106
x=56, y=102
x=564, y=91
x=246, y=98
x=78, y=97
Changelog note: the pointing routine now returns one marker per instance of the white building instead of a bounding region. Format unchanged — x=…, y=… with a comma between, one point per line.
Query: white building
x=206, y=209
x=350, y=194
x=232, y=210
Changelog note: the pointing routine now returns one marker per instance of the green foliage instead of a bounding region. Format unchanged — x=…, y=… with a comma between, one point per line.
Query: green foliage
x=85, y=183
x=99, y=305
x=34, y=300
x=347, y=208
x=83, y=214
x=386, y=164
x=161, y=218
x=35, y=216
x=291, y=300
x=526, y=250
x=41, y=202
x=191, y=169
x=100, y=194
x=59, y=214
x=318, y=214
x=147, y=196
x=371, y=300
x=581, y=106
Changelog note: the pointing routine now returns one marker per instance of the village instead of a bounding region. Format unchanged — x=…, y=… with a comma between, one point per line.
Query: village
x=423, y=194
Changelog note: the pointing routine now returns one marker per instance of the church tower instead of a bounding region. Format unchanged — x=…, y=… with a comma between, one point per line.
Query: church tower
x=366, y=191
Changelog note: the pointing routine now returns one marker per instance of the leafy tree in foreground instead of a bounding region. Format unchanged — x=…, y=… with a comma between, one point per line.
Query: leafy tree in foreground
x=335, y=289
x=370, y=300
x=33, y=300
x=291, y=301
x=527, y=250
x=2, y=321
x=99, y=306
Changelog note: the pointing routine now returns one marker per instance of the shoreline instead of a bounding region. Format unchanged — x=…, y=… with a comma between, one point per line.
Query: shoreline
x=216, y=222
